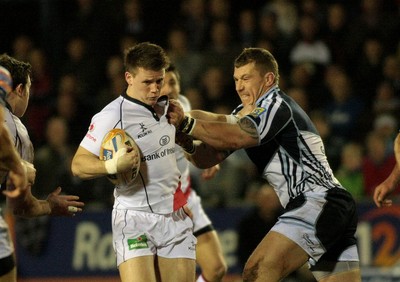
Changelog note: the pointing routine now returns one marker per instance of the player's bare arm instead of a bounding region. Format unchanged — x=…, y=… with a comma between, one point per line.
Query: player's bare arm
x=87, y=165
x=56, y=204
x=383, y=190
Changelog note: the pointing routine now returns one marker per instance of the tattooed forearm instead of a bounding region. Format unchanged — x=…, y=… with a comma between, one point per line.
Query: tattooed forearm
x=247, y=126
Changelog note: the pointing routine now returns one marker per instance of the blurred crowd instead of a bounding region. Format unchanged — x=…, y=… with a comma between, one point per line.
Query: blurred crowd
x=340, y=60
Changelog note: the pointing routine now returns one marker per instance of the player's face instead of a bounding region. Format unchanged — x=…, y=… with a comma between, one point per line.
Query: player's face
x=171, y=87
x=250, y=84
x=145, y=85
x=23, y=92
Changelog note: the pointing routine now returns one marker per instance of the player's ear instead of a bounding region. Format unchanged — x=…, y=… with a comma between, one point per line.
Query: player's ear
x=129, y=77
x=19, y=89
x=269, y=78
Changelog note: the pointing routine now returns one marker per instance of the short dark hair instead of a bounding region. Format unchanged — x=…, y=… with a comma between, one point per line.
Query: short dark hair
x=263, y=59
x=145, y=55
x=19, y=70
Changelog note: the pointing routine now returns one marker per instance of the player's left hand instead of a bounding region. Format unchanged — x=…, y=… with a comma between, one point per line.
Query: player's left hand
x=175, y=113
x=63, y=205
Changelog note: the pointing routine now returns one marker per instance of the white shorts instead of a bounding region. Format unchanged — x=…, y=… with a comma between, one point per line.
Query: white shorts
x=324, y=225
x=200, y=218
x=137, y=233
x=6, y=245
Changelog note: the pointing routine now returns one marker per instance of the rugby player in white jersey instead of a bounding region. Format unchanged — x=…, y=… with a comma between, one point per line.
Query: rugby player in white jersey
x=9, y=157
x=320, y=218
x=209, y=254
x=25, y=204
x=152, y=234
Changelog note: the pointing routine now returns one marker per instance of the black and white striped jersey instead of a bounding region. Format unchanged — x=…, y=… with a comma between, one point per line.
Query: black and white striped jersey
x=290, y=154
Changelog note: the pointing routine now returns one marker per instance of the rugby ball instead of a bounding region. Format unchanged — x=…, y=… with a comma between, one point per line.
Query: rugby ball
x=114, y=140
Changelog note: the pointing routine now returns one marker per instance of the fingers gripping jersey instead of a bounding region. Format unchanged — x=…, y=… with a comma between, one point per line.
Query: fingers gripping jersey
x=156, y=187
x=291, y=153
x=183, y=163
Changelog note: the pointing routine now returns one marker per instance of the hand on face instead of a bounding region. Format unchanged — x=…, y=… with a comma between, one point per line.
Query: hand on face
x=175, y=113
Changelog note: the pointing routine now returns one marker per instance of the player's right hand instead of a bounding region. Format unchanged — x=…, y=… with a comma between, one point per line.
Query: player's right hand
x=382, y=191
x=127, y=158
x=175, y=113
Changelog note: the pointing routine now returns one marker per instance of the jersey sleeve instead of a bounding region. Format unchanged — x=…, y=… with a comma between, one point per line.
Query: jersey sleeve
x=270, y=118
x=100, y=124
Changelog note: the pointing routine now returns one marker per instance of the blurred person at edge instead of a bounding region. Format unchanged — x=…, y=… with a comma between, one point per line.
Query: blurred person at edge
x=26, y=205
x=384, y=190
x=209, y=254
x=377, y=163
x=10, y=160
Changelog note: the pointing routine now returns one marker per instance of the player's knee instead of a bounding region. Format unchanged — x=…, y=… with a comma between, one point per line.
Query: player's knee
x=216, y=273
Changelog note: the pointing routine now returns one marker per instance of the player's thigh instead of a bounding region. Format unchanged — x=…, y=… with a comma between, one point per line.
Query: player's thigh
x=177, y=269
x=138, y=269
x=277, y=254
x=10, y=276
x=209, y=251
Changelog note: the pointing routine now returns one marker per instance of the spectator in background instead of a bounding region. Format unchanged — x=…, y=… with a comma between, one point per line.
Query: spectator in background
x=221, y=49
x=216, y=88
x=386, y=101
x=246, y=31
x=70, y=108
x=336, y=32
x=269, y=30
x=83, y=65
x=309, y=46
x=386, y=126
x=132, y=20
x=391, y=72
x=377, y=163
x=56, y=153
x=343, y=109
x=350, y=173
x=42, y=98
x=187, y=61
x=115, y=83
x=300, y=96
x=369, y=70
x=195, y=19
x=22, y=45
x=332, y=148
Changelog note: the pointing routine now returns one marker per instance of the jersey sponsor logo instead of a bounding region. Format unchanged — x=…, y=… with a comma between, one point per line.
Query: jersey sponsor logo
x=89, y=136
x=164, y=140
x=144, y=130
x=257, y=112
x=158, y=155
x=138, y=243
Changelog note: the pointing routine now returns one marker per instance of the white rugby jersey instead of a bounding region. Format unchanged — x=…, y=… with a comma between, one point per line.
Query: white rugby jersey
x=20, y=137
x=183, y=163
x=156, y=188
x=22, y=142
x=290, y=154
